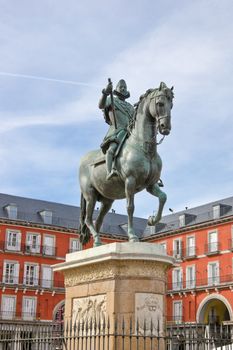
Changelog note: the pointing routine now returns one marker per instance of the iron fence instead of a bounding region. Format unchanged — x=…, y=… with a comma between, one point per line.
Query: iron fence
x=118, y=335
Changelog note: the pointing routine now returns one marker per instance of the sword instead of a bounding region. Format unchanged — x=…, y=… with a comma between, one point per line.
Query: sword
x=113, y=107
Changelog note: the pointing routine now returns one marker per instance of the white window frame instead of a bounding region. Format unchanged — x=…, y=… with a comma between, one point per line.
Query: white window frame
x=47, y=249
x=163, y=245
x=30, y=248
x=47, y=216
x=177, y=283
x=72, y=250
x=190, y=283
x=7, y=277
x=177, y=253
x=9, y=240
x=12, y=211
x=5, y=314
x=216, y=211
x=177, y=316
x=213, y=280
x=191, y=250
x=182, y=220
x=31, y=315
x=213, y=245
x=45, y=283
x=29, y=280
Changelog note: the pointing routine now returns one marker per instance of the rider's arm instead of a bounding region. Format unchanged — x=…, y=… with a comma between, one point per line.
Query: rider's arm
x=105, y=92
x=103, y=99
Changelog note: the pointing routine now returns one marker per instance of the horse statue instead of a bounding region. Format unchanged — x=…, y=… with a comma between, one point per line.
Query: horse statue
x=138, y=163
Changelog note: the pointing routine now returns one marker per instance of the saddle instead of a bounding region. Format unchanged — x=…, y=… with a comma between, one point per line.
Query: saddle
x=102, y=159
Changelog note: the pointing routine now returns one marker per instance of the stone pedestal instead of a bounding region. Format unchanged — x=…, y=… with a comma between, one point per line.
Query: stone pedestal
x=117, y=280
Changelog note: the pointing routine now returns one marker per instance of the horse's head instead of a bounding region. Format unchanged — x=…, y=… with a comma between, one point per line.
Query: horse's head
x=160, y=108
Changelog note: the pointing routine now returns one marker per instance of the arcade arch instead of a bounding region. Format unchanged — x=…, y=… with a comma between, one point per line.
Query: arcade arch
x=58, y=312
x=214, y=309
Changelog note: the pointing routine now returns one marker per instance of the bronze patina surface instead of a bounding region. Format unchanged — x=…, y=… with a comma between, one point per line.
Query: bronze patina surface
x=128, y=161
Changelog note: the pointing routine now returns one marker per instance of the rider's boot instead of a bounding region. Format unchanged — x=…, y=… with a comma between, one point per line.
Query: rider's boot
x=111, y=171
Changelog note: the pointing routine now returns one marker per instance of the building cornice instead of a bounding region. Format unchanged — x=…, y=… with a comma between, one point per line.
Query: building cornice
x=29, y=224
x=190, y=228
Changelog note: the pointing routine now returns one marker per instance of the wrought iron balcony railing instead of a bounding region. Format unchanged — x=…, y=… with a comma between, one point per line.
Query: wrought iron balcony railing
x=32, y=282
x=190, y=252
x=46, y=250
x=214, y=281
x=22, y=315
x=212, y=248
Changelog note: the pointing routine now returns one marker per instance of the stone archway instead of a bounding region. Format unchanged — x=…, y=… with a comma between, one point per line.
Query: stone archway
x=214, y=309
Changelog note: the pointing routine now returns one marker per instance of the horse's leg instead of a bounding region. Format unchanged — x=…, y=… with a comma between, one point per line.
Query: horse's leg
x=156, y=191
x=91, y=198
x=129, y=192
x=105, y=207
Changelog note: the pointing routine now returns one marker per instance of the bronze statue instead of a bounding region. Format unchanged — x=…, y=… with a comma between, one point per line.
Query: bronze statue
x=137, y=164
x=118, y=114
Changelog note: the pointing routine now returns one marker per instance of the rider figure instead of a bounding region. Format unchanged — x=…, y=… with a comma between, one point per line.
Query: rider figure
x=117, y=113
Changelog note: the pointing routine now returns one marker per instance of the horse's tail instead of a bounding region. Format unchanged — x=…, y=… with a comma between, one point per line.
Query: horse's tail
x=85, y=233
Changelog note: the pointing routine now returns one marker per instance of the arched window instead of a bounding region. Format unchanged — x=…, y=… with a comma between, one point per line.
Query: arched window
x=59, y=313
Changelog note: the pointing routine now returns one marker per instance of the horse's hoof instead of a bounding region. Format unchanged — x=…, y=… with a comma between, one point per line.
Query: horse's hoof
x=97, y=244
x=133, y=238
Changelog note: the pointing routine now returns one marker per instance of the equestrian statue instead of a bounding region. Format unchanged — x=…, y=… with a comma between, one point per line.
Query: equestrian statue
x=128, y=161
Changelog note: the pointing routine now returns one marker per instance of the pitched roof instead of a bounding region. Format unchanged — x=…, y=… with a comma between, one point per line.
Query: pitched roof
x=64, y=215
x=67, y=216
x=192, y=216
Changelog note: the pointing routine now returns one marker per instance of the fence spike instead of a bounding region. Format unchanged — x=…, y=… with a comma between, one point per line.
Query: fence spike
x=144, y=327
x=123, y=324
x=130, y=326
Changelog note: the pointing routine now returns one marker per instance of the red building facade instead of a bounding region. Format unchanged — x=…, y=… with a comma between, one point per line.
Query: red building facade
x=30, y=244
x=36, y=235
x=200, y=285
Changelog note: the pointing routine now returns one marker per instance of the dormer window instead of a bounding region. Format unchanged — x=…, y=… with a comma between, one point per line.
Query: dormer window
x=46, y=216
x=182, y=220
x=220, y=210
x=11, y=211
x=216, y=211
x=185, y=219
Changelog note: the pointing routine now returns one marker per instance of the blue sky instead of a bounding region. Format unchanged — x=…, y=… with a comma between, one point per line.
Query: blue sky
x=47, y=125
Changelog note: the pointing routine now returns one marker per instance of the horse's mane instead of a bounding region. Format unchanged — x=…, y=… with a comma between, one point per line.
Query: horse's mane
x=136, y=106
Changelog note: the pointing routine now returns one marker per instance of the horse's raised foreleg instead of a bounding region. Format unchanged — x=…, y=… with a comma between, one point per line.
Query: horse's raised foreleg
x=90, y=206
x=105, y=207
x=156, y=191
x=129, y=192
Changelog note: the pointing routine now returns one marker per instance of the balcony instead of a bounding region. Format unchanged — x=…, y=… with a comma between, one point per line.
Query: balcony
x=178, y=255
x=48, y=251
x=33, y=283
x=212, y=248
x=178, y=285
x=190, y=252
x=13, y=315
x=175, y=319
x=220, y=281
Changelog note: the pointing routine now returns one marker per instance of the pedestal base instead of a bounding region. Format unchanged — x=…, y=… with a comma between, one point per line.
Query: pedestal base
x=117, y=281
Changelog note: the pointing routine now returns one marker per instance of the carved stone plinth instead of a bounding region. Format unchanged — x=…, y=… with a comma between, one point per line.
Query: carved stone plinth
x=118, y=280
